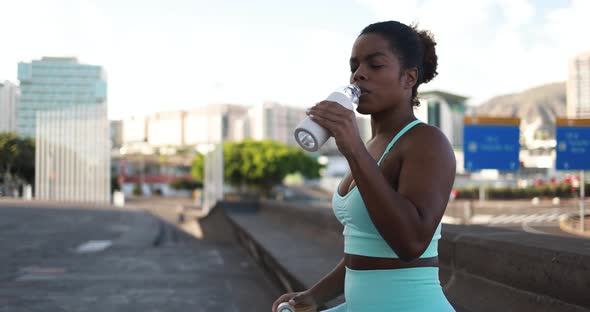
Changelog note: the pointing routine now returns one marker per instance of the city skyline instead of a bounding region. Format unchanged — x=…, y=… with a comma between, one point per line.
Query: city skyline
x=192, y=53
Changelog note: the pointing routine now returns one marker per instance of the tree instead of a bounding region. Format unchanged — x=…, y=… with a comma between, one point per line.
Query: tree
x=198, y=167
x=17, y=158
x=25, y=160
x=260, y=165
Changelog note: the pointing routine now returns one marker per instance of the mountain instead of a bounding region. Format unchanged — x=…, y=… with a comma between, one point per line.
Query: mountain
x=537, y=107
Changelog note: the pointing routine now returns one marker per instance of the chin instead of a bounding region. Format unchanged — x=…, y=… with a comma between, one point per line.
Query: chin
x=360, y=109
x=364, y=106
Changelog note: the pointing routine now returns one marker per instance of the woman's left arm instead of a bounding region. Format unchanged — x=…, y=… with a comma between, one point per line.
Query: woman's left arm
x=408, y=217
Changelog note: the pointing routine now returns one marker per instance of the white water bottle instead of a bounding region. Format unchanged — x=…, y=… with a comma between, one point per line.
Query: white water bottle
x=312, y=136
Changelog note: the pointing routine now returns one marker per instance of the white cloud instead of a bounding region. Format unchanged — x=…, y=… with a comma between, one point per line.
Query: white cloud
x=179, y=59
x=184, y=63
x=488, y=48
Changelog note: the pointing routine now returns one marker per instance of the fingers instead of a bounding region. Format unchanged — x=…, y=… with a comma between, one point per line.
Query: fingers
x=295, y=300
x=331, y=109
x=283, y=298
x=275, y=305
x=324, y=122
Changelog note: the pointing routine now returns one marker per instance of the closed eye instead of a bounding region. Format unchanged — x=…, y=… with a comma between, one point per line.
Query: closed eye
x=372, y=66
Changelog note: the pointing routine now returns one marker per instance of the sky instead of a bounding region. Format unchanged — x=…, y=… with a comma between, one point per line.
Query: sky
x=178, y=54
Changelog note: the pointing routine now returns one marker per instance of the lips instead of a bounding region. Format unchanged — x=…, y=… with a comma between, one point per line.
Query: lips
x=364, y=91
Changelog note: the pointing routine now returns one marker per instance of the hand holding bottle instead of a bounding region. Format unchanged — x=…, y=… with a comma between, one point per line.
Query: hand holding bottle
x=310, y=134
x=340, y=123
x=299, y=301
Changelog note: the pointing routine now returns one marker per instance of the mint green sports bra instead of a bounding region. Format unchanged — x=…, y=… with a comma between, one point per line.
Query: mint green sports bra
x=360, y=235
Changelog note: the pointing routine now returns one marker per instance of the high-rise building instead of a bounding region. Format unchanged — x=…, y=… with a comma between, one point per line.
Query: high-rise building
x=578, y=86
x=8, y=105
x=55, y=84
x=63, y=106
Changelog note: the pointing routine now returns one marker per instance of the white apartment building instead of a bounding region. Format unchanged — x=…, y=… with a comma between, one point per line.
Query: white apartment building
x=214, y=123
x=134, y=129
x=223, y=122
x=166, y=128
x=8, y=106
x=578, y=86
x=274, y=121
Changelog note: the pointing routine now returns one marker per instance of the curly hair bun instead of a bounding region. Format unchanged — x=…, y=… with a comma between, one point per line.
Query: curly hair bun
x=430, y=59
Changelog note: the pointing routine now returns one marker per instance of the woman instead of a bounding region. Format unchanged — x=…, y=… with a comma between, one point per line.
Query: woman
x=393, y=201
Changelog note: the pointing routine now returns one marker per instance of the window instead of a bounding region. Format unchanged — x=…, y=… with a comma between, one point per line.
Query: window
x=434, y=113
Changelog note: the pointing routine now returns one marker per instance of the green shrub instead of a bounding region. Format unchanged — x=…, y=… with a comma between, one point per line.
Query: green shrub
x=563, y=190
x=137, y=189
x=186, y=184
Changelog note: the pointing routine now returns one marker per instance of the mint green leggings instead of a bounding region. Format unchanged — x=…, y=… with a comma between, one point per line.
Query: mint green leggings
x=407, y=290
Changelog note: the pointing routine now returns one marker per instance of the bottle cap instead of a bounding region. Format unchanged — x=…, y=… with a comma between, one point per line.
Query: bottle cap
x=354, y=92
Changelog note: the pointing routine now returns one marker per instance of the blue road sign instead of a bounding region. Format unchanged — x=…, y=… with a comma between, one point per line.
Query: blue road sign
x=491, y=147
x=573, y=148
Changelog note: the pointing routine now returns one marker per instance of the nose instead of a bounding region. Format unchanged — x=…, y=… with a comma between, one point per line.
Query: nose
x=359, y=74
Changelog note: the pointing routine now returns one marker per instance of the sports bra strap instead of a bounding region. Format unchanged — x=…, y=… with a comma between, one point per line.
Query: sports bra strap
x=397, y=136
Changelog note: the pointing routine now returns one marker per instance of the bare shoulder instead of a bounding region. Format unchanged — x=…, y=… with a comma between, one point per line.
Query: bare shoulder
x=425, y=139
x=428, y=163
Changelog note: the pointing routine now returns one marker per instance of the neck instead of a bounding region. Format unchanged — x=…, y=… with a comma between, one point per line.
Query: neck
x=387, y=124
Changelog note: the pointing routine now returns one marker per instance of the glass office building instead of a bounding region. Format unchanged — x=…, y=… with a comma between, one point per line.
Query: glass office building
x=56, y=83
x=63, y=105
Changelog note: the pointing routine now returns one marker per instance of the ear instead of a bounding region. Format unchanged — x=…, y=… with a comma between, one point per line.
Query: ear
x=410, y=78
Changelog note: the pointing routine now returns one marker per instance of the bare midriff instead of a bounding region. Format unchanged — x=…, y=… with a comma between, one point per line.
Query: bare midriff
x=357, y=262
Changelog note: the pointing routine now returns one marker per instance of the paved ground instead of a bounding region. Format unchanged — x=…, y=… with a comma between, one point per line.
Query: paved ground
x=73, y=258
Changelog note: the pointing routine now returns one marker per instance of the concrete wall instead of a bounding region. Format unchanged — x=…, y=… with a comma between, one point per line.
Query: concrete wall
x=488, y=269
x=482, y=268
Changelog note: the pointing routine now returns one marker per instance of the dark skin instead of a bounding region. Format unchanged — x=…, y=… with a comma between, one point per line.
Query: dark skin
x=406, y=197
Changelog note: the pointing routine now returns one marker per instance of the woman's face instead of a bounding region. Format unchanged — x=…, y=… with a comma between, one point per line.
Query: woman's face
x=376, y=70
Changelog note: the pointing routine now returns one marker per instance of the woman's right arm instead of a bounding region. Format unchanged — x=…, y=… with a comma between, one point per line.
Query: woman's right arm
x=330, y=286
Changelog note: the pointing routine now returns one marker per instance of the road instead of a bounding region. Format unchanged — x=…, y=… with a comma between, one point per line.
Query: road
x=87, y=258
x=521, y=215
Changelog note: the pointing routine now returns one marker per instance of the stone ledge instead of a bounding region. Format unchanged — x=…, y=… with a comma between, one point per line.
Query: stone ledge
x=528, y=271
x=482, y=268
x=295, y=253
